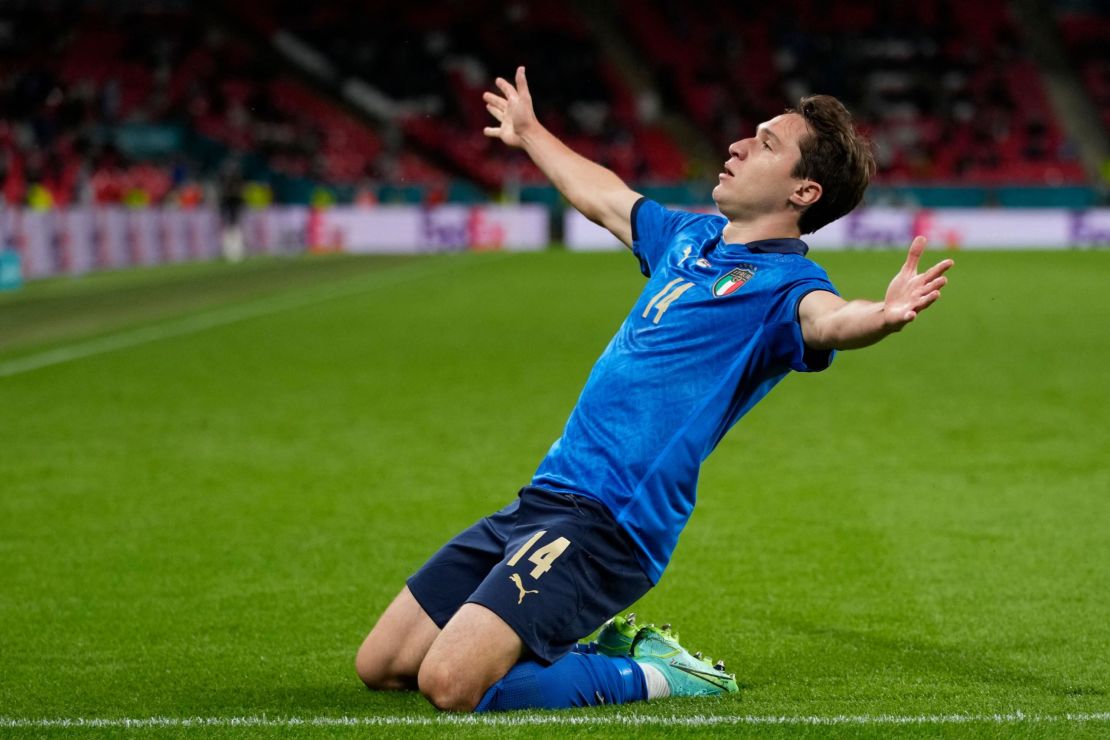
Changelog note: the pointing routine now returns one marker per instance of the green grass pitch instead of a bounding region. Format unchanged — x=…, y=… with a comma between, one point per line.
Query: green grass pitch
x=214, y=477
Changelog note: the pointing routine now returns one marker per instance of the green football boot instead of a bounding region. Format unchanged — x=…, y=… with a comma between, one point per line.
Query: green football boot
x=686, y=674
x=616, y=636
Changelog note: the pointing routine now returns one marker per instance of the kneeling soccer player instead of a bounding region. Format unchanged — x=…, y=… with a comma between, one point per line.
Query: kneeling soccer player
x=491, y=621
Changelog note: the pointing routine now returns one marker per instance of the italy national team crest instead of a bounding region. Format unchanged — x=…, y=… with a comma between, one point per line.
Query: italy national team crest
x=733, y=280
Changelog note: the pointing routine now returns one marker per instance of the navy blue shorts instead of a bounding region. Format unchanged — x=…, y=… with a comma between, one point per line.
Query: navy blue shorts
x=553, y=566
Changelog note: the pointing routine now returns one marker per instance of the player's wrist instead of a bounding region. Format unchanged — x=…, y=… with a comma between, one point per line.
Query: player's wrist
x=894, y=319
x=532, y=134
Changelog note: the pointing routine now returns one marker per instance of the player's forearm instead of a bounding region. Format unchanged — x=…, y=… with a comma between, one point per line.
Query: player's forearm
x=583, y=183
x=854, y=325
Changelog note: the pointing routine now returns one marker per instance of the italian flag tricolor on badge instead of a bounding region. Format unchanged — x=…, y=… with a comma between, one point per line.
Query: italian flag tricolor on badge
x=733, y=280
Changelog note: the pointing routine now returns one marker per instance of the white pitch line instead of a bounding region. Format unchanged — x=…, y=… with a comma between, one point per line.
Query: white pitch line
x=228, y=315
x=513, y=720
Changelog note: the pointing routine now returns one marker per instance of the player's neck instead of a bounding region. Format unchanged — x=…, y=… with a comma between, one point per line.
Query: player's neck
x=745, y=230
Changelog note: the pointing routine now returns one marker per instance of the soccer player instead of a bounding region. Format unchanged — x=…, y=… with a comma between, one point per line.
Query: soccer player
x=491, y=621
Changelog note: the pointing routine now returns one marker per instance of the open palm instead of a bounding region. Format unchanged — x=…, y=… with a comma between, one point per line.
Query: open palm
x=910, y=293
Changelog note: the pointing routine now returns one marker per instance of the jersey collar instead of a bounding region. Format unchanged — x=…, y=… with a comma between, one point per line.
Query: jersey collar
x=785, y=245
x=779, y=246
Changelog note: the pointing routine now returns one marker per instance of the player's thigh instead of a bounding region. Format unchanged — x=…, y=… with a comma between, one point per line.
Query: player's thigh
x=391, y=654
x=474, y=651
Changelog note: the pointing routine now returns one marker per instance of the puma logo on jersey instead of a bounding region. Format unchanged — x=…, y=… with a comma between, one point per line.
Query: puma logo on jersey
x=515, y=578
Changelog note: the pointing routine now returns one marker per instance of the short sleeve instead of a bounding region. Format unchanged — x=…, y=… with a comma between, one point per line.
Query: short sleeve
x=654, y=229
x=786, y=329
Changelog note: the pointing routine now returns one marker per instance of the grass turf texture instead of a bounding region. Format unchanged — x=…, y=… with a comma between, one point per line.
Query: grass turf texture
x=206, y=525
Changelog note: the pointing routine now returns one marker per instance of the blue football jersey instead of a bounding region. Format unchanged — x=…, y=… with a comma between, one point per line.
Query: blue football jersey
x=715, y=329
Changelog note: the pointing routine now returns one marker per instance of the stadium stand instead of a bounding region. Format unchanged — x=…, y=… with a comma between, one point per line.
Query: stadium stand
x=134, y=105
x=153, y=102
x=439, y=57
x=1086, y=36
x=944, y=88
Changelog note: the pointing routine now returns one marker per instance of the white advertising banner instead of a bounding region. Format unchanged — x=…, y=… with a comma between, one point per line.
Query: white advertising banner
x=34, y=239
x=75, y=234
x=202, y=232
x=949, y=228
x=520, y=228
x=173, y=235
x=413, y=229
x=381, y=230
x=81, y=239
x=109, y=238
x=1089, y=229
x=142, y=237
x=275, y=230
x=583, y=235
x=397, y=229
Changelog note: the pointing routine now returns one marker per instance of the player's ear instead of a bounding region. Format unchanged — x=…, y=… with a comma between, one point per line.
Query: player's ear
x=806, y=193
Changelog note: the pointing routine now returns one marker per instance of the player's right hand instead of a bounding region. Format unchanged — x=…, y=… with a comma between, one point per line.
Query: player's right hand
x=513, y=112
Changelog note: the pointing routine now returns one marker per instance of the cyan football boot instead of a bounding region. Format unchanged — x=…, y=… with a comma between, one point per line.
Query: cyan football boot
x=686, y=674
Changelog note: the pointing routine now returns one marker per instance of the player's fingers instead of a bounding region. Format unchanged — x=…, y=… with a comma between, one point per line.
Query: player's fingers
x=504, y=86
x=935, y=284
x=917, y=247
x=521, y=81
x=494, y=99
x=496, y=112
x=492, y=131
x=938, y=269
x=928, y=300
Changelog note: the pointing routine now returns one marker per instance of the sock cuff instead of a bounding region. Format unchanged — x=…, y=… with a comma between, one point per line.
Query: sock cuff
x=632, y=673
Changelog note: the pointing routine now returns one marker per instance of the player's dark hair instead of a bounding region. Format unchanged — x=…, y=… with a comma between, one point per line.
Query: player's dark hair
x=834, y=155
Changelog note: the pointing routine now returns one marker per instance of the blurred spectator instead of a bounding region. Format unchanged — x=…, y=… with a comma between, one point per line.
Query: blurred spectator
x=231, y=208
x=944, y=89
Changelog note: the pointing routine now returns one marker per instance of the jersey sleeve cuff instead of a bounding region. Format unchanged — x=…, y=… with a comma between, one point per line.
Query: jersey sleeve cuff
x=812, y=360
x=632, y=218
x=645, y=268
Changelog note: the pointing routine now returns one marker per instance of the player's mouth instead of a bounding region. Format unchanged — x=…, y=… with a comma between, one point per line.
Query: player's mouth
x=727, y=173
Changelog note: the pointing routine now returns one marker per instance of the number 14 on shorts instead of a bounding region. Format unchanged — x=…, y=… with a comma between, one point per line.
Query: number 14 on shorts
x=543, y=557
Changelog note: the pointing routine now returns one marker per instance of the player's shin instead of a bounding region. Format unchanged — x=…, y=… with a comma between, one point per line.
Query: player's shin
x=575, y=680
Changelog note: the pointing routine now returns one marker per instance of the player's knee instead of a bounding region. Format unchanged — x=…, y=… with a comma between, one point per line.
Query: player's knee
x=377, y=672
x=446, y=687
x=370, y=668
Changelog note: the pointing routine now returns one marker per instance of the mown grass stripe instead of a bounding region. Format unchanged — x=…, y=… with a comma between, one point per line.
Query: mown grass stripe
x=297, y=298
x=510, y=720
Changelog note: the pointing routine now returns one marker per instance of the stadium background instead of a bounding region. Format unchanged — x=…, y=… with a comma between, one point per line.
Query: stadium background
x=203, y=111
x=277, y=320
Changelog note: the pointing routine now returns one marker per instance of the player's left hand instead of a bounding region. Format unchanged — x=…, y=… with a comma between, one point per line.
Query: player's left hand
x=910, y=293
x=514, y=112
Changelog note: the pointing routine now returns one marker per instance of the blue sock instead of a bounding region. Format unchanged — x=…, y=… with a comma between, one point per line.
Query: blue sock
x=575, y=680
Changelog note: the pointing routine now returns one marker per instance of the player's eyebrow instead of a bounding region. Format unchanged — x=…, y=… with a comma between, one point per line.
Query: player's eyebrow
x=770, y=134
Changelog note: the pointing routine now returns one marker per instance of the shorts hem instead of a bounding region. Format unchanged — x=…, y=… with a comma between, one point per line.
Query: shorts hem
x=422, y=602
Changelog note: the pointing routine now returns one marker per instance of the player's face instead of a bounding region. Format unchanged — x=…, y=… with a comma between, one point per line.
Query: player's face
x=756, y=178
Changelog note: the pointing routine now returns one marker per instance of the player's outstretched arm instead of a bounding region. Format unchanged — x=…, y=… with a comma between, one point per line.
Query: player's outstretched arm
x=597, y=192
x=830, y=322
